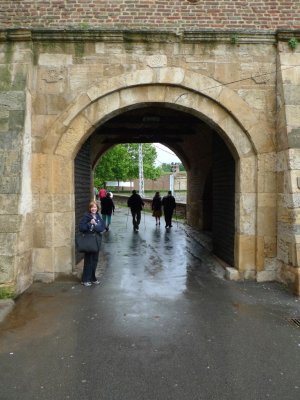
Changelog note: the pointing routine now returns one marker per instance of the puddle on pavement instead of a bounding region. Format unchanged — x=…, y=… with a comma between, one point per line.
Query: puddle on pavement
x=34, y=315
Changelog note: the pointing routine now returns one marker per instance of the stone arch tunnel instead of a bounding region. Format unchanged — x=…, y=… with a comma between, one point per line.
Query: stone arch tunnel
x=210, y=165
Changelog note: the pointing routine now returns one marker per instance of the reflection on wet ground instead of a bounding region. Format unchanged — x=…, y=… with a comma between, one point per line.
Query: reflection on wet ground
x=163, y=324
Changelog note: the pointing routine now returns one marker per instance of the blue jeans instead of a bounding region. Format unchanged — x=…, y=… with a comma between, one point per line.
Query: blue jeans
x=107, y=219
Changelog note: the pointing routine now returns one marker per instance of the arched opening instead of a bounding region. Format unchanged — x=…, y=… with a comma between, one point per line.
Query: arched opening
x=219, y=111
x=209, y=164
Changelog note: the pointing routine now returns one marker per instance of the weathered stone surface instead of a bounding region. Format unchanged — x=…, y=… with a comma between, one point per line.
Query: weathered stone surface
x=62, y=176
x=255, y=98
x=55, y=59
x=10, y=140
x=4, y=120
x=290, y=200
x=10, y=224
x=10, y=101
x=290, y=275
x=292, y=94
x=232, y=274
x=266, y=276
x=41, y=174
x=63, y=203
x=266, y=214
x=63, y=236
x=246, y=209
x=83, y=76
x=63, y=260
x=24, y=276
x=6, y=306
x=247, y=175
x=6, y=268
x=11, y=164
x=270, y=244
x=8, y=203
x=10, y=184
x=245, y=253
x=42, y=261
x=294, y=138
x=8, y=244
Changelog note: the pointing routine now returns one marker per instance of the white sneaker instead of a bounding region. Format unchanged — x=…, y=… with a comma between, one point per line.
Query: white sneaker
x=86, y=283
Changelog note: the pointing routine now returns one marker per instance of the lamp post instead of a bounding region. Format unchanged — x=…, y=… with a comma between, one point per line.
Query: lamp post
x=141, y=171
x=172, y=176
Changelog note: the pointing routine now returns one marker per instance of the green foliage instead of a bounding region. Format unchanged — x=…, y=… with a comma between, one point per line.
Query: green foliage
x=293, y=43
x=7, y=293
x=234, y=39
x=121, y=164
x=149, y=157
x=84, y=25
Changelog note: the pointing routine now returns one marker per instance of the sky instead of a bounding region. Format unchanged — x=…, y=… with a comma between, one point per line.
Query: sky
x=164, y=155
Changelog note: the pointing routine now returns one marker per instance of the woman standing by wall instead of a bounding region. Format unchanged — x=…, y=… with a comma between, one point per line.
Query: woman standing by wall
x=91, y=223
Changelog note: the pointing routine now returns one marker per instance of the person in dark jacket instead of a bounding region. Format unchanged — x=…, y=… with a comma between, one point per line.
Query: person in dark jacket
x=169, y=205
x=91, y=223
x=107, y=209
x=136, y=204
x=156, y=207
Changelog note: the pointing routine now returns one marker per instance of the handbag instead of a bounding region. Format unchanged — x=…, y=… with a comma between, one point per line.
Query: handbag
x=88, y=242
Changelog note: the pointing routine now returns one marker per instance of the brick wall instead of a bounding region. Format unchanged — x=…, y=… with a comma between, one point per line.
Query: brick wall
x=152, y=14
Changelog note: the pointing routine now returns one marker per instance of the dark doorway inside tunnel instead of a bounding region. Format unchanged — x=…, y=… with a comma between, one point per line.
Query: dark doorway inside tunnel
x=223, y=201
x=192, y=139
x=83, y=184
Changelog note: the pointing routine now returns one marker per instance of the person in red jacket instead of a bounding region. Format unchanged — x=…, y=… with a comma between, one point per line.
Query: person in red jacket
x=107, y=209
x=102, y=193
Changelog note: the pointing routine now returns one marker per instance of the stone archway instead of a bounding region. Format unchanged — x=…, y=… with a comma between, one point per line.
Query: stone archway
x=203, y=97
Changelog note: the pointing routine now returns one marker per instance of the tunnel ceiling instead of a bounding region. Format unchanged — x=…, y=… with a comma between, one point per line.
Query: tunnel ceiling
x=149, y=125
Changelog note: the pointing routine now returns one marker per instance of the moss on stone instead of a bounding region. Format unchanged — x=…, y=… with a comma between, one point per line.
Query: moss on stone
x=16, y=120
x=5, y=78
x=7, y=292
x=79, y=49
x=19, y=81
x=8, y=52
x=48, y=47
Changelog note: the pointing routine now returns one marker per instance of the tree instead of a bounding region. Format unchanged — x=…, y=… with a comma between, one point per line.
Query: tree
x=121, y=163
x=149, y=157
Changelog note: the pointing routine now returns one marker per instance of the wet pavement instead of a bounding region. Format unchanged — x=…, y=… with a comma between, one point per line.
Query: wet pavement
x=164, y=325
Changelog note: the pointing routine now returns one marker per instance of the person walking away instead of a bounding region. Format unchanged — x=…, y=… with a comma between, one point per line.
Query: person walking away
x=91, y=223
x=169, y=205
x=107, y=209
x=102, y=193
x=156, y=206
x=136, y=204
x=96, y=194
